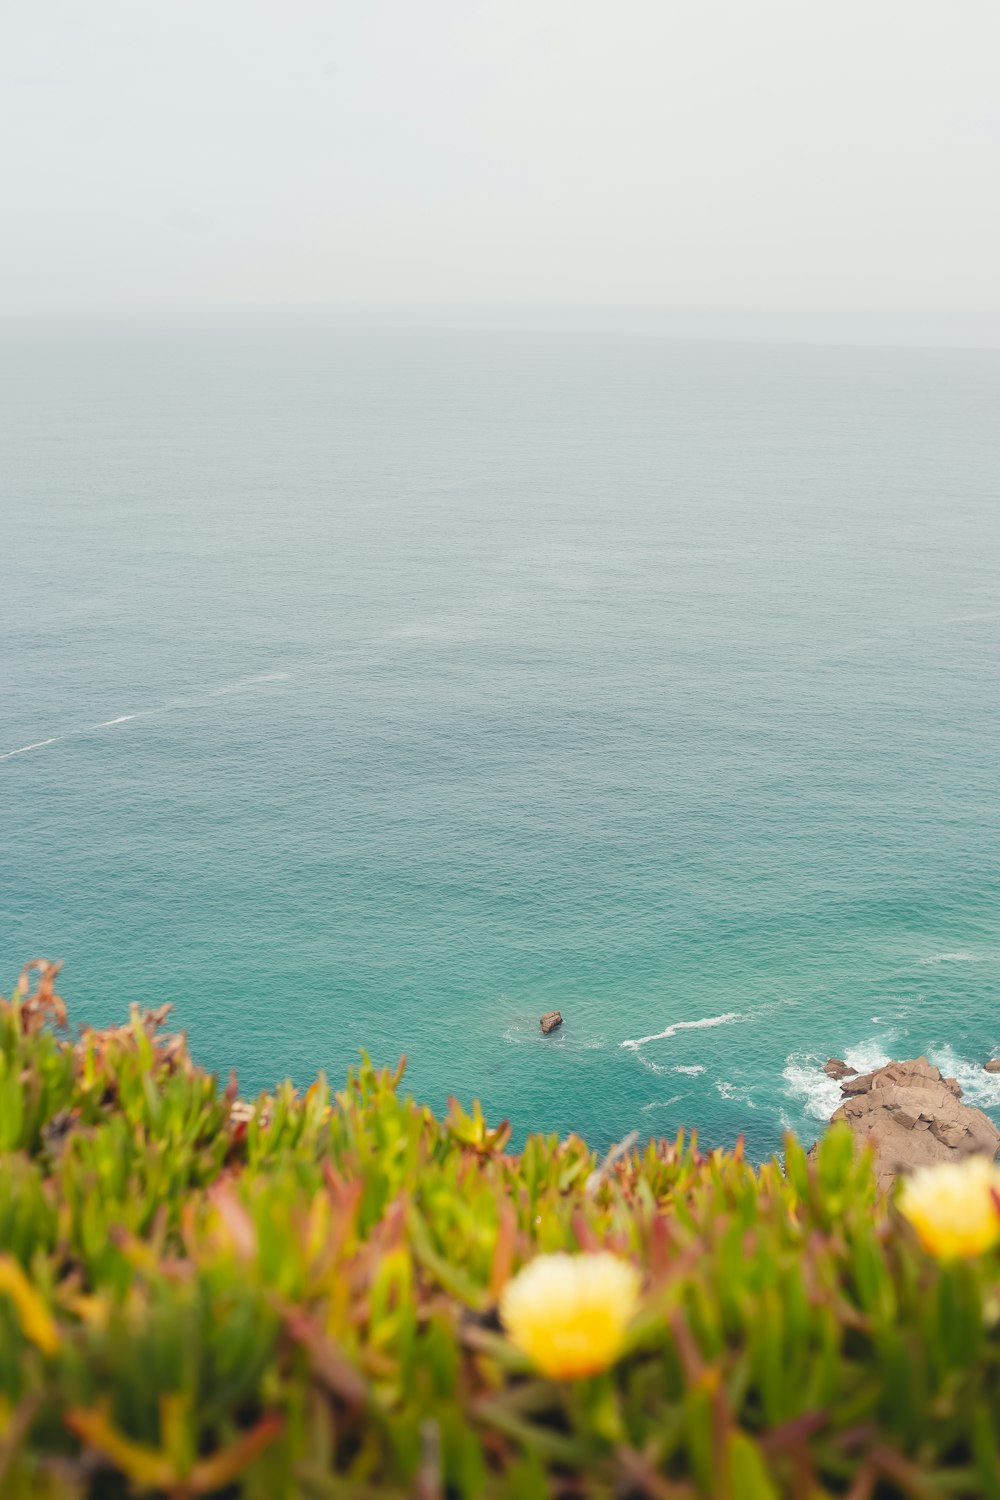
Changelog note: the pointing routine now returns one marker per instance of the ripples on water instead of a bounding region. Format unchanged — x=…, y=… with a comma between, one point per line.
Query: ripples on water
x=388, y=689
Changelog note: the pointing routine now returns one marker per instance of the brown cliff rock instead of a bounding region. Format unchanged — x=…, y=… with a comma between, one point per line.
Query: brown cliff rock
x=550, y=1020
x=912, y=1117
x=993, y=1066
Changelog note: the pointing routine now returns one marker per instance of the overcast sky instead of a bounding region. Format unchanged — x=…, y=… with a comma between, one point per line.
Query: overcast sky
x=787, y=154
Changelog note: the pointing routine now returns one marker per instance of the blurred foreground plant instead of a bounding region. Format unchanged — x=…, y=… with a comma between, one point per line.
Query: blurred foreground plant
x=301, y=1297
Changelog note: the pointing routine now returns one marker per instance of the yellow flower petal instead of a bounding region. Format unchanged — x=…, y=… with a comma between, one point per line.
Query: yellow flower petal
x=569, y=1313
x=952, y=1207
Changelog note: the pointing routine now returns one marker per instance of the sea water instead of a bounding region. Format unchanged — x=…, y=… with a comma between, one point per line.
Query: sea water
x=375, y=687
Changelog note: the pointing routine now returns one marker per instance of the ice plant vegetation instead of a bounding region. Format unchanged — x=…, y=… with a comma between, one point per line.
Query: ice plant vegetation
x=316, y=1297
x=954, y=1207
x=570, y=1313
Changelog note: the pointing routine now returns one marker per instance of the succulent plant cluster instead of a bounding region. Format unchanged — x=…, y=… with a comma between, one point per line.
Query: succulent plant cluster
x=302, y=1298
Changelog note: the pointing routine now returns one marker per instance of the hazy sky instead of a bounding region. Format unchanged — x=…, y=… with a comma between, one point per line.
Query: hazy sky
x=686, y=153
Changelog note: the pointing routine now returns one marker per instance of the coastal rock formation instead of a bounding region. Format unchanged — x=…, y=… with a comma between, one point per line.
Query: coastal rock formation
x=838, y=1069
x=550, y=1020
x=993, y=1066
x=912, y=1117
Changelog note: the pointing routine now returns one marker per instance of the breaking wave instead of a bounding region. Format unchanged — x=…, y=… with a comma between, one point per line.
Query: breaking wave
x=980, y=1089
x=809, y=1088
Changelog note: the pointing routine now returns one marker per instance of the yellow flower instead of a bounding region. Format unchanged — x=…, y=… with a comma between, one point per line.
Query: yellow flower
x=952, y=1206
x=569, y=1313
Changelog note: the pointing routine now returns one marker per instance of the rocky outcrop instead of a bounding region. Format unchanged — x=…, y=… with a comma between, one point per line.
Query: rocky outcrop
x=993, y=1066
x=550, y=1020
x=838, y=1069
x=912, y=1117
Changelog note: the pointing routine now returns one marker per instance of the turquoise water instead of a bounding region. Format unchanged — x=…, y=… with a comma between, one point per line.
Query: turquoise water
x=388, y=688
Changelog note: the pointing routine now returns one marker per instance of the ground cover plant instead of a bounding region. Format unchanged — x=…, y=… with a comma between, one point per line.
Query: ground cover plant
x=343, y=1296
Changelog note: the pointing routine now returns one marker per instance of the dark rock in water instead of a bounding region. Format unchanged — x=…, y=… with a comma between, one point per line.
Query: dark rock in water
x=911, y=1117
x=837, y=1068
x=993, y=1066
x=550, y=1020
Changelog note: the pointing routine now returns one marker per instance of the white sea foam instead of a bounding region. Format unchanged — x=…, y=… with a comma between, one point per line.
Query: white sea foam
x=953, y=958
x=813, y=1092
x=662, y=1103
x=233, y=687
x=689, y=1068
x=668, y=1031
x=70, y=734
x=816, y=1095
x=729, y=1090
x=652, y=1067
x=23, y=749
x=149, y=713
x=980, y=1089
x=900, y=1011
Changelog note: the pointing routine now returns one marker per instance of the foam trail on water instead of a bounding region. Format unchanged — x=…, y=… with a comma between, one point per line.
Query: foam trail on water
x=23, y=749
x=652, y=1067
x=953, y=958
x=668, y=1031
x=145, y=713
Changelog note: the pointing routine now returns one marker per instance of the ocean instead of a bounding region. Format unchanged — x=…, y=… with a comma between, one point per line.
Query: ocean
x=386, y=686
